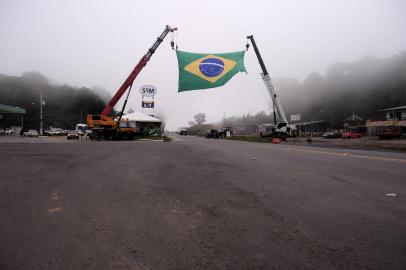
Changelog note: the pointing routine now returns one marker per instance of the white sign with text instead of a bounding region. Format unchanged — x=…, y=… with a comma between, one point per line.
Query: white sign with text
x=148, y=91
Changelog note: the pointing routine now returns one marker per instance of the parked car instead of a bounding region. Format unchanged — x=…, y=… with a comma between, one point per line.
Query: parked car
x=183, y=132
x=332, y=135
x=9, y=131
x=55, y=132
x=389, y=134
x=212, y=134
x=351, y=135
x=72, y=135
x=31, y=133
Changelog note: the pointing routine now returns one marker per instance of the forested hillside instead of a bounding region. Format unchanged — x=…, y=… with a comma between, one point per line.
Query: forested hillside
x=362, y=87
x=64, y=105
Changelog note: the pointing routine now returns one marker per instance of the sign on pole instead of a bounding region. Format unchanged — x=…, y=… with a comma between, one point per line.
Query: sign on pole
x=148, y=91
x=294, y=117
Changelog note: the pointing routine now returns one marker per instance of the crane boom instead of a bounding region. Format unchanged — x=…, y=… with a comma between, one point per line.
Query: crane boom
x=268, y=82
x=130, y=79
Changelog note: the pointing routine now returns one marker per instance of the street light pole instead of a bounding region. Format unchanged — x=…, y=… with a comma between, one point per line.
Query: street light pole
x=40, y=114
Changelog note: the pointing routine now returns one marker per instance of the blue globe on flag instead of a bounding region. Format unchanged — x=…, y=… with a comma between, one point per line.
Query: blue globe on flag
x=211, y=67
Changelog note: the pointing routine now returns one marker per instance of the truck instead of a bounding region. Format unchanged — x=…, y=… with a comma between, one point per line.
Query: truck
x=107, y=126
x=81, y=129
x=280, y=129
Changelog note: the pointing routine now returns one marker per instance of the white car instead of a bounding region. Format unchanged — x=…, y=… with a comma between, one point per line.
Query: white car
x=31, y=133
x=55, y=131
x=9, y=131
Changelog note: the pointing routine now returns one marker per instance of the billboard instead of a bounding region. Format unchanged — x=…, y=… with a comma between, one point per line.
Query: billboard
x=147, y=104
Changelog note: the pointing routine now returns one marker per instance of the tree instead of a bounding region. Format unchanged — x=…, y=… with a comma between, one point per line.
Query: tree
x=65, y=105
x=200, y=118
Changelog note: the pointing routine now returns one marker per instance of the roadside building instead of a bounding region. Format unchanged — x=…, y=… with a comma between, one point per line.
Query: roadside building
x=148, y=125
x=10, y=116
x=392, y=119
x=312, y=128
x=355, y=123
x=396, y=113
x=245, y=130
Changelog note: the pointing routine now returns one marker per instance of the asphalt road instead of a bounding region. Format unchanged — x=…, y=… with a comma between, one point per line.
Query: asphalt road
x=199, y=204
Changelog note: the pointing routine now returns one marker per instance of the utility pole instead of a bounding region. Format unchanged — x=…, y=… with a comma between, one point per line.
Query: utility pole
x=40, y=114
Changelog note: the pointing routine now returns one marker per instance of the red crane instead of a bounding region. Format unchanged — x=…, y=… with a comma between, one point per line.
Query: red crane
x=107, y=127
x=130, y=79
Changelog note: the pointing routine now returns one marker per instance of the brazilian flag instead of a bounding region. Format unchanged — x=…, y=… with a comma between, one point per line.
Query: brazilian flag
x=202, y=71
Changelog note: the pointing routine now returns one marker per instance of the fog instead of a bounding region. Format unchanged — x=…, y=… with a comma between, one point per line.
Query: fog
x=97, y=44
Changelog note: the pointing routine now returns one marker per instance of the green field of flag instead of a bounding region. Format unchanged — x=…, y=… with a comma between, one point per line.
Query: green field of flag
x=202, y=71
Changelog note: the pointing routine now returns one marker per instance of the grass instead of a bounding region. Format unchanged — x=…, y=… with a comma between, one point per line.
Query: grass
x=249, y=139
x=154, y=138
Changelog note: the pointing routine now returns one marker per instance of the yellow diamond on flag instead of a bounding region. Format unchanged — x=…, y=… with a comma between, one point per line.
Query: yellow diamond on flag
x=211, y=67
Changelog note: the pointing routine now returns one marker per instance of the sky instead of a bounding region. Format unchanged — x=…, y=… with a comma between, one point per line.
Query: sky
x=98, y=43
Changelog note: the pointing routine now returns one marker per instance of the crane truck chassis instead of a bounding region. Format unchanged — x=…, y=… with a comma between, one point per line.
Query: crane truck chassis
x=104, y=126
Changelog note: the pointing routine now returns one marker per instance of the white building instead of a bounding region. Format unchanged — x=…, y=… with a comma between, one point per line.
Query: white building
x=147, y=125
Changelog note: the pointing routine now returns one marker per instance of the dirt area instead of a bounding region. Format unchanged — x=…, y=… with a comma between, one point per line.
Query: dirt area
x=366, y=143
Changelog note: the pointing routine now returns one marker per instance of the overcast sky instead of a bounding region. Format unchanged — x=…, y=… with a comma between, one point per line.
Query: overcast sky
x=97, y=43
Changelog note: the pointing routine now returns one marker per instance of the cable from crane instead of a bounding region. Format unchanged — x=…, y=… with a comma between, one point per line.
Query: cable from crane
x=172, y=41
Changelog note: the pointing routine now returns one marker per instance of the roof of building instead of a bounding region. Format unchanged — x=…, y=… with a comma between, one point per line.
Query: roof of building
x=394, y=108
x=310, y=123
x=10, y=109
x=141, y=117
x=353, y=118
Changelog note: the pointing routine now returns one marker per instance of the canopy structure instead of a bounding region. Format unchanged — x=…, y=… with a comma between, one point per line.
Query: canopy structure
x=141, y=117
x=394, y=109
x=6, y=109
x=353, y=118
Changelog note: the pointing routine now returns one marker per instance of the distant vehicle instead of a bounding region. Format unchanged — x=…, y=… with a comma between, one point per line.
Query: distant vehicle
x=31, y=133
x=389, y=134
x=55, y=132
x=183, y=132
x=72, y=135
x=2, y=131
x=212, y=134
x=225, y=132
x=269, y=130
x=81, y=129
x=351, y=135
x=9, y=131
x=332, y=135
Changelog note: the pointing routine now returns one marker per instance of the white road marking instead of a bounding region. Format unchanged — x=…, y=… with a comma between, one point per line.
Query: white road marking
x=351, y=155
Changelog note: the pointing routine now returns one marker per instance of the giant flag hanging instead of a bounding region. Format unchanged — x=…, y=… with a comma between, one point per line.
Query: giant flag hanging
x=202, y=71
